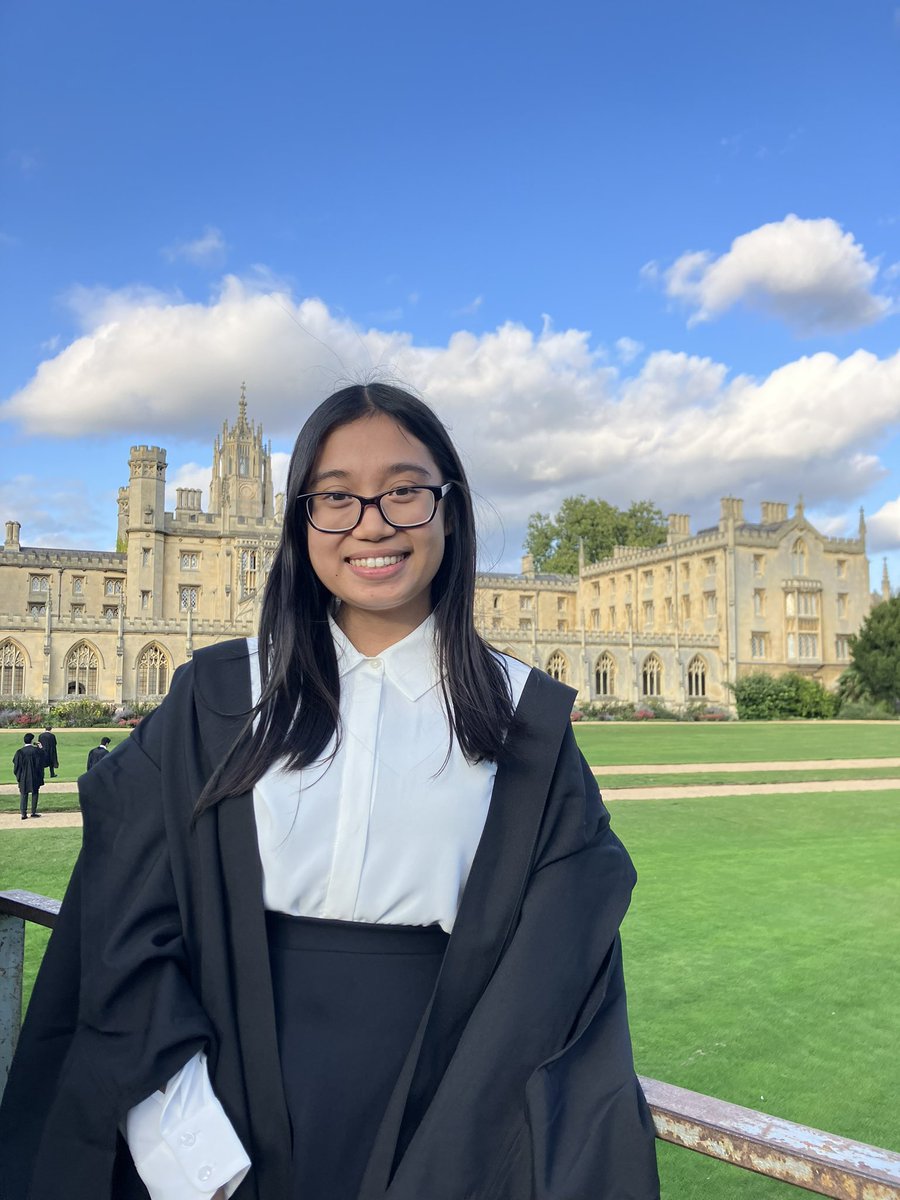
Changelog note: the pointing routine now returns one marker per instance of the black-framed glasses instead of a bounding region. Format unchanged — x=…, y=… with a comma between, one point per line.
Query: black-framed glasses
x=402, y=507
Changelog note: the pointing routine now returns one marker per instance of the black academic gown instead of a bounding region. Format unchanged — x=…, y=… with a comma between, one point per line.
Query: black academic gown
x=28, y=767
x=48, y=744
x=519, y=1084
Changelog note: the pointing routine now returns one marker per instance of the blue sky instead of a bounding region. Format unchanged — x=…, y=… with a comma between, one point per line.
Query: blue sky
x=638, y=250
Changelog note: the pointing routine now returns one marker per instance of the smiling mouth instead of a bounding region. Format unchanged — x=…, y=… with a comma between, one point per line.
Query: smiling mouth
x=381, y=560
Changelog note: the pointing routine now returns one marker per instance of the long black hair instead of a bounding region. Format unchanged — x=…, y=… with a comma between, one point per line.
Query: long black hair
x=299, y=707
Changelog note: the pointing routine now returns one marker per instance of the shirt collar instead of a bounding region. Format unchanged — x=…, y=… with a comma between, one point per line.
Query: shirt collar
x=410, y=664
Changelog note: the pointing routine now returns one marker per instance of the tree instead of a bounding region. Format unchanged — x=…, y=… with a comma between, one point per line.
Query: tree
x=875, y=651
x=553, y=541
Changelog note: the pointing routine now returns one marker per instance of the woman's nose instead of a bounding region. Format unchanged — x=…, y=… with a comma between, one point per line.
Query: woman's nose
x=372, y=524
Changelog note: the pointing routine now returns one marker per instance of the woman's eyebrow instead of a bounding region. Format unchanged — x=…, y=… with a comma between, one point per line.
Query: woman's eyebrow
x=401, y=468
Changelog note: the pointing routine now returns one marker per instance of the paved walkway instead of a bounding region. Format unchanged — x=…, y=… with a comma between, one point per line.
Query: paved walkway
x=689, y=791
x=805, y=764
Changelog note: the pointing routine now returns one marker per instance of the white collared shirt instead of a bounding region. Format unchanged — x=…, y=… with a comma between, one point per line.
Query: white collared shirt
x=379, y=834
x=386, y=831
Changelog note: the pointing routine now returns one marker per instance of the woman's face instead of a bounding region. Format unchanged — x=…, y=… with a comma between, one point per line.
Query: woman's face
x=369, y=456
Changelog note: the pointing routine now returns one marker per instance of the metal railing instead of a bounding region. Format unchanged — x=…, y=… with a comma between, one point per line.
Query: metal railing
x=807, y=1158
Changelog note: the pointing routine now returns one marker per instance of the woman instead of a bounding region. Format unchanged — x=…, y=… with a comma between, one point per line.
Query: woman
x=270, y=1005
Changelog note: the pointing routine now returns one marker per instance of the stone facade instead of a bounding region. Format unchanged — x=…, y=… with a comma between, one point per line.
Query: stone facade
x=677, y=622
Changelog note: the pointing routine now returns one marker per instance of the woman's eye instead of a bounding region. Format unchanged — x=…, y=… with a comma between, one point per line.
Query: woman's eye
x=336, y=499
x=404, y=493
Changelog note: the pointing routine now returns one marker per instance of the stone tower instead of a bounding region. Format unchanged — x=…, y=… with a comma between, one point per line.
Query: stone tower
x=241, y=484
x=142, y=513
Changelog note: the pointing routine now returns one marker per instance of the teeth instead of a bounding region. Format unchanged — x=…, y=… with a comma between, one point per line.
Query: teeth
x=380, y=561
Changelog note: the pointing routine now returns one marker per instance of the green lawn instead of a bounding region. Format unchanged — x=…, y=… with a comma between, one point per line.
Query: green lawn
x=761, y=957
x=685, y=779
x=761, y=954
x=623, y=742
x=51, y=802
x=72, y=748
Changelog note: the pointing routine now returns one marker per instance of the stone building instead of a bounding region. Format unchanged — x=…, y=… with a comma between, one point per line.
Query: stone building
x=676, y=623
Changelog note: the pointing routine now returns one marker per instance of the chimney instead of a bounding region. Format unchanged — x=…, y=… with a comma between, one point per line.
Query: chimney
x=731, y=510
x=527, y=564
x=13, y=529
x=773, y=512
x=679, y=527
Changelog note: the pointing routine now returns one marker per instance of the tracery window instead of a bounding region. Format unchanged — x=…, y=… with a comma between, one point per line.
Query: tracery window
x=153, y=672
x=40, y=583
x=605, y=675
x=12, y=670
x=249, y=564
x=696, y=676
x=82, y=670
x=188, y=598
x=113, y=587
x=190, y=562
x=558, y=666
x=651, y=676
x=799, y=557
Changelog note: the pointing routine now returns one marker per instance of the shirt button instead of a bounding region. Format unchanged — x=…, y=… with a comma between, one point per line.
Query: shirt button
x=187, y=1139
x=204, y=1173
x=377, y=664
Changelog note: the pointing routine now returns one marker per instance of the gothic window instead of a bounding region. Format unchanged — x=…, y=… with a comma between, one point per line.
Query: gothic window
x=605, y=675
x=560, y=604
x=808, y=604
x=526, y=603
x=647, y=579
x=113, y=587
x=842, y=604
x=525, y=624
x=12, y=670
x=758, y=645
x=612, y=616
x=558, y=666
x=809, y=645
x=145, y=556
x=648, y=614
x=799, y=557
x=595, y=618
x=110, y=611
x=686, y=607
x=710, y=565
x=709, y=603
x=243, y=461
x=145, y=600
x=670, y=611
x=759, y=602
x=188, y=597
x=249, y=563
x=841, y=567
x=82, y=670
x=651, y=676
x=153, y=672
x=37, y=610
x=792, y=645
x=40, y=584
x=190, y=562
x=629, y=618
x=78, y=585
x=696, y=677
x=842, y=647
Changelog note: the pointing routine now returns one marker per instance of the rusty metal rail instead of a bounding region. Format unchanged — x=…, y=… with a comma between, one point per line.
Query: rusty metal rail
x=807, y=1158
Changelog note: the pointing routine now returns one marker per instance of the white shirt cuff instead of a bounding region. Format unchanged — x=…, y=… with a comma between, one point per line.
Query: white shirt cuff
x=183, y=1145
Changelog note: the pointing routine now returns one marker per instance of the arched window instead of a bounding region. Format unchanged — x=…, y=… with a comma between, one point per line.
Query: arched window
x=605, y=675
x=799, y=557
x=651, y=676
x=153, y=671
x=696, y=677
x=12, y=670
x=82, y=670
x=558, y=666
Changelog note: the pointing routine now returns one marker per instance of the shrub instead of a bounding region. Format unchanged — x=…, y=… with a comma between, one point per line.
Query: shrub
x=866, y=710
x=762, y=697
x=80, y=714
x=21, y=714
x=608, y=710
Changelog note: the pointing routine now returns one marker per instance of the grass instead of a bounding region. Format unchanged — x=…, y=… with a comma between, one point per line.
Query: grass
x=50, y=802
x=72, y=748
x=685, y=779
x=42, y=863
x=761, y=952
x=624, y=742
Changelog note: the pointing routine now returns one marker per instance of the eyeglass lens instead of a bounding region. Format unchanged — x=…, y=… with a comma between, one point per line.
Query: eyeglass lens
x=336, y=511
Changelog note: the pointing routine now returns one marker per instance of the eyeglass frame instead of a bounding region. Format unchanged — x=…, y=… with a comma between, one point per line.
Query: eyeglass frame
x=439, y=491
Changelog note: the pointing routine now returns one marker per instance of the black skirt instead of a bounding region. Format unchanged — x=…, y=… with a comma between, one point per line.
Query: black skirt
x=348, y=1001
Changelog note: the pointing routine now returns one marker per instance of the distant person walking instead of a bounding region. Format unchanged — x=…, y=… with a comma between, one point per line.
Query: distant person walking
x=28, y=768
x=98, y=753
x=48, y=745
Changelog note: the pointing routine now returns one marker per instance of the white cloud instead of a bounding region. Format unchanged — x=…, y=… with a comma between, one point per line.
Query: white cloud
x=538, y=415
x=469, y=310
x=188, y=475
x=70, y=515
x=884, y=528
x=808, y=273
x=628, y=349
x=208, y=250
